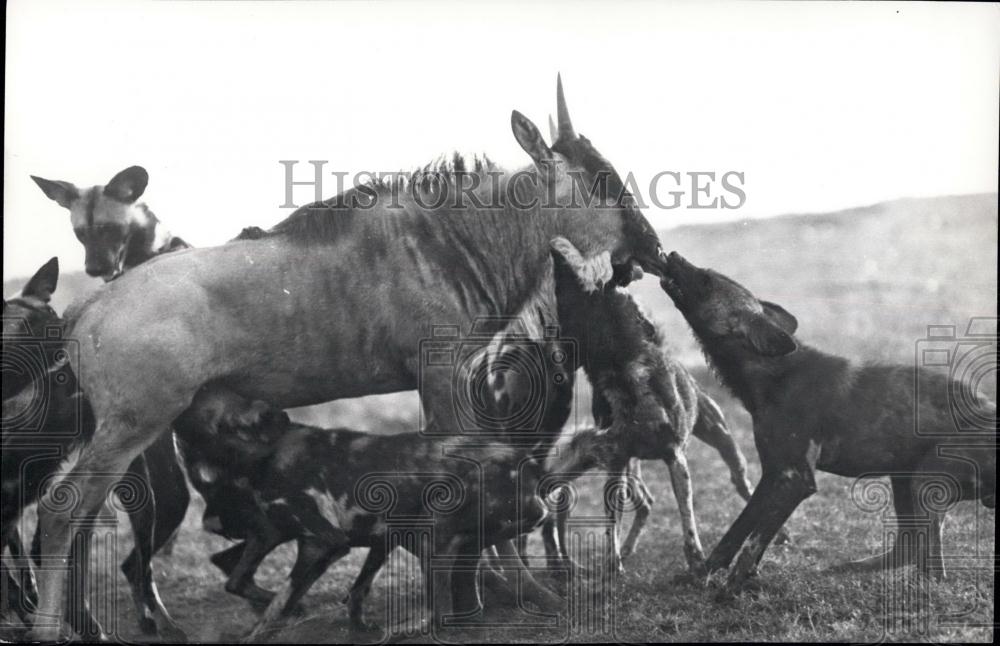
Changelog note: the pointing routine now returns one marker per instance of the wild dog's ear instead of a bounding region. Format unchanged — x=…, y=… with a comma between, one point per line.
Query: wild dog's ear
x=781, y=316
x=530, y=139
x=592, y=273
x=43, y=283
x=128, y=185
x=767, y=338
x=63, y=193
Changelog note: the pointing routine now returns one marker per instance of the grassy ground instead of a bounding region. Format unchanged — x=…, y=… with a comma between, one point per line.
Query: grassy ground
x=865, y=284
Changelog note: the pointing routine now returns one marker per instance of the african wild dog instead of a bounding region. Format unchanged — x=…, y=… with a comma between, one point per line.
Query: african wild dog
x=117, y=231
x=645, y=402
x=331, y=490
x=45, y=419
x=812, y=411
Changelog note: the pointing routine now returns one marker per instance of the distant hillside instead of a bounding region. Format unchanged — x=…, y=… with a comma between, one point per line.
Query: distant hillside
x=864, y=282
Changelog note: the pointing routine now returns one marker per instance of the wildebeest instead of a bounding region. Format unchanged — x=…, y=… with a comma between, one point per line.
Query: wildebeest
x=647, y=404
x=332, y=303
x=812, y=410
x=46, y=418
x=120, y=233
x=331, y=490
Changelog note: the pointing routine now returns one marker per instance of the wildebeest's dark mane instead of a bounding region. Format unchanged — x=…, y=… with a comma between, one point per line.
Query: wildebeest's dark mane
x=330, y=219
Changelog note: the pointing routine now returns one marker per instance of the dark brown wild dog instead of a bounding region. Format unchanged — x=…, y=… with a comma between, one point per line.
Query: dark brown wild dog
x=645, y=403
x=813, y=410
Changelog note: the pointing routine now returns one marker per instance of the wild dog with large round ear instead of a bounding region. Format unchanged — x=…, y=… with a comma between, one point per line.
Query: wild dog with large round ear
x=116, y=230
x=812, y=411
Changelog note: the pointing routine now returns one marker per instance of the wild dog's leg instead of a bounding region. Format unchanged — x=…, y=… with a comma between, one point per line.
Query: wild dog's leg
x=229, y=558
x=903, y=551
x=532, y=590
x=614, y=490
x=314, y=558
x=710, y=427
x=680, y=479
x=792, y=486
x=644, y=504
x=152, y=525
x=465, y=598
x=262, y=540
x=932, y=563
x=355, y=598
x=737, y=533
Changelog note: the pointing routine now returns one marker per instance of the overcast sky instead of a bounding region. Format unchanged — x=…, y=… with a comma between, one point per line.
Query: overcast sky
x=821, y=106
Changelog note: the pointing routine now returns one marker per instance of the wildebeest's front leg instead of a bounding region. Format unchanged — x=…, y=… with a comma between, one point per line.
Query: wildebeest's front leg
x=791, y=486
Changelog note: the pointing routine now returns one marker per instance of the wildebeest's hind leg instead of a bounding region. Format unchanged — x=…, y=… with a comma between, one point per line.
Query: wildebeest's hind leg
x=644, y=504
x=116, y=442
x=152, y=525
x=314, y=557
x=710, y=427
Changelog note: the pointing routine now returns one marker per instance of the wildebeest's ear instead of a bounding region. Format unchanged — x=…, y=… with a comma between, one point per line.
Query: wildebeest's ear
x=592, y=273
x=781, y=316
x=530, y=139
x=128, y=185
x=43, y=283
x=767, y=338
x=63, y=193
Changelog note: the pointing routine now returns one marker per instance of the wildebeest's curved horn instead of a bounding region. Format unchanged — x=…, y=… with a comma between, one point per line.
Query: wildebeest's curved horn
x=553, y=131
x=562, y=112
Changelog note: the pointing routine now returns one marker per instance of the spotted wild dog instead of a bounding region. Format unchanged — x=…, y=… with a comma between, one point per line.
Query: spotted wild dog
x=117, y=231
x=331, y=490
x=812, y=410
x=645, y=403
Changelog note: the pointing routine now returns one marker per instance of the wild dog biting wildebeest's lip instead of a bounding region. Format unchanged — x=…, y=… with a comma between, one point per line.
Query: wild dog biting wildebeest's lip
x=647, y=402
x=814, y=411
x=355, y=333
x=331, y=490
x=45, y=419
